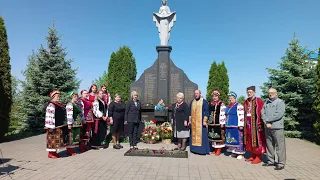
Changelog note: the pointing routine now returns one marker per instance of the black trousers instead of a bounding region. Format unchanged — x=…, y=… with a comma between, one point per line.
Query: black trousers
x=133, y=133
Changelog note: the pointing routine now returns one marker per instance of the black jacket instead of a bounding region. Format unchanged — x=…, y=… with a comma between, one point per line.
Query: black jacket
x=133, y=113
x=180, y=115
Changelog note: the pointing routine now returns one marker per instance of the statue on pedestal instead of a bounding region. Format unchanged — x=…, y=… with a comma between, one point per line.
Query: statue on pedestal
x=164, y=21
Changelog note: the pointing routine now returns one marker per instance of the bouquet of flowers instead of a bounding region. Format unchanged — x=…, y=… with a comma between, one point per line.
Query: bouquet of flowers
x=150, y=135
x=150, y=123
x=166, y=130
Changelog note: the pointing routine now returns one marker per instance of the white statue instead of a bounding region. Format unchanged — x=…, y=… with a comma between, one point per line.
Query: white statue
x=164, y=22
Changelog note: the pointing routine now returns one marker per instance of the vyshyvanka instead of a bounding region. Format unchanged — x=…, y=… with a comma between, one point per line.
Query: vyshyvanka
x=234, y=135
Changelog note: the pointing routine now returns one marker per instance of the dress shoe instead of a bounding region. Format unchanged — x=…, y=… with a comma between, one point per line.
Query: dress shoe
x=115, y=146
x=267, y=164
x=278, y=167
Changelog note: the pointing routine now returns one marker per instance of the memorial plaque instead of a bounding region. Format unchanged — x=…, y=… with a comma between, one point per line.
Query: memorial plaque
x=189, y=94
x=163, y=71
x=175, y=85
x=150, y=87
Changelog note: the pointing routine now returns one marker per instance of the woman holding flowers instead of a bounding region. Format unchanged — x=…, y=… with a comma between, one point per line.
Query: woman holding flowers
x=180, y=116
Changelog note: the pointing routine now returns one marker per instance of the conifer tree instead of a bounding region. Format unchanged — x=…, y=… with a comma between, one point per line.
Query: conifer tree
x=48, y=69
x=218, y=79
x=223, y=80
x=316, y=104
x=5, y=81
x=102, y=79
x=294, y=83
x=122, y=72
x=241, y=99
x=211, y=82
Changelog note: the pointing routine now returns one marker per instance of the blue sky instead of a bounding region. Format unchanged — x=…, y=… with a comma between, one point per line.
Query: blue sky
x=249, y=36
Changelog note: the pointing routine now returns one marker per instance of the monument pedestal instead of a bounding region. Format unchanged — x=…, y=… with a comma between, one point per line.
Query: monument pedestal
x=163, y=80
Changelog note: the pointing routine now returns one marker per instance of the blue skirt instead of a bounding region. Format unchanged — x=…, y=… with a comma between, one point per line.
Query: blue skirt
x=234, y=140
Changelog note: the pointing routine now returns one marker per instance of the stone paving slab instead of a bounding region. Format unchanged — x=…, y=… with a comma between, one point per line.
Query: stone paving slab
x=27, y=160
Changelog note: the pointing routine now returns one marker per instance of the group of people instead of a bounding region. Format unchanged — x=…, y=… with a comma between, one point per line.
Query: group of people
x=83, y=121
x=256, y=127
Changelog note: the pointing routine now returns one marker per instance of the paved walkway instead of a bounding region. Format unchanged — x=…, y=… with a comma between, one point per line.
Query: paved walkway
x=27, y=159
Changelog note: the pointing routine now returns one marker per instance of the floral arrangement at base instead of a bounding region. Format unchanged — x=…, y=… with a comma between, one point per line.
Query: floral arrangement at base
x=150, y=123
x=150, y=135
x=166, y=131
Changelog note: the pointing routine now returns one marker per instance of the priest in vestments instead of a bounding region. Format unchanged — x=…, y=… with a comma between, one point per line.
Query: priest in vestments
x=255, y=140
x=199, y=142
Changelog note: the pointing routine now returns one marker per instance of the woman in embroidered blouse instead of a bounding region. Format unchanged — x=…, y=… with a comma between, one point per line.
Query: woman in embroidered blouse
x=217, y=120
x=180, y=115
x=116, y=114
x=98, y=140
x=93, y=93
x=55, y=125
x=234, y=126
x=74, y=121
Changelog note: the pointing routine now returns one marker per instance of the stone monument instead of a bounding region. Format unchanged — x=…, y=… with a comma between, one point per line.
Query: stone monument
x=163, y=80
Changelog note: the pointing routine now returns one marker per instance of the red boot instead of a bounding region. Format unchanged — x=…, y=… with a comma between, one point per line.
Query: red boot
x=257, y=160
x=218, y=151
x=252, y=157
x=56, y=154
x=214, y=151
x=82, y=148
x=70, y=152
x=52, y=155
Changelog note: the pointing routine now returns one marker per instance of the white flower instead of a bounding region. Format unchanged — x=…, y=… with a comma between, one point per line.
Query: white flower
x=152, y=137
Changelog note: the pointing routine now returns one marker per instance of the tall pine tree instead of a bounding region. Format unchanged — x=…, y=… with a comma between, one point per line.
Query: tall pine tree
x=47, y=70
x=316, y=104
x=212, y=80
x=5, y=81
x=294, y=83
x=122, y=72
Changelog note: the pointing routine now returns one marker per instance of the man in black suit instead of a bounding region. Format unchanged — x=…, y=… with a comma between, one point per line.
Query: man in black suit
x=132, y=117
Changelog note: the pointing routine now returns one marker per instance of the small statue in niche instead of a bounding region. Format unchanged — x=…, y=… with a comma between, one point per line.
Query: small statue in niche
x=160, y=106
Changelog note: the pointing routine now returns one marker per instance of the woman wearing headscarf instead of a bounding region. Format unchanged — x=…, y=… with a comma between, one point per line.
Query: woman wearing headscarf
x=116, y=113
x=234, y=126
x=55, y=126
x=217, y=120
